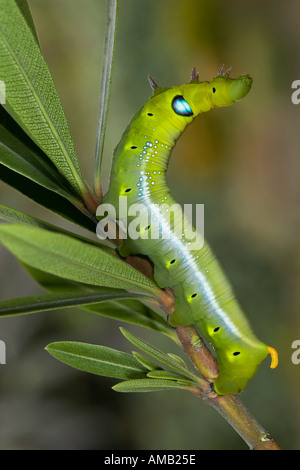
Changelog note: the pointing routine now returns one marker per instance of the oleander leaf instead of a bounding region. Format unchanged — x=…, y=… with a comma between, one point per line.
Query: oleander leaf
x=167, y=375
x=178, y=359
x=150, y=365
x=69, y=258
x=98, y=360
x=160, y=356
x=25, y=10
x=135, y=312
x=45, y=302
x=126, y=310
x=149, y=385
x=12, y=215
x=20, y=154
x=31, y=95
x=26, y=168
x=49, y=199
x=9, y=214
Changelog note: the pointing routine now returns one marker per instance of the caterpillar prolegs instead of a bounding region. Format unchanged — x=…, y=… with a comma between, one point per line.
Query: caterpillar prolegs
x=203, y=295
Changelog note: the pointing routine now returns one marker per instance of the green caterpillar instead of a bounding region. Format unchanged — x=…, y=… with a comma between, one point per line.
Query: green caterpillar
x=203, y=295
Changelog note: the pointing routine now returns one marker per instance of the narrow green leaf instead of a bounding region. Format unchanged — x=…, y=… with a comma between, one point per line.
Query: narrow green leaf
x=20, y=163
x=107, y=68
x=157, y=354
x=55, y=284
x=133, y=311
x=46, y=198
x=167, y=375
x=145, y=361
x=149, y=385
x=24, y=8
x=72, y=259
x=26, y=168
x=21, y=155
x=45, y=302
x=178, y=359
x=31, y=96
x=126, y=310
x=11, y=215
x=98, y=360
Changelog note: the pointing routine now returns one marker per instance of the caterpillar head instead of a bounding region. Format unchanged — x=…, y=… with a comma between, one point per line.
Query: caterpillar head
x=223, y=90
x=196, y=97
x=239, y=363
x=220, y=91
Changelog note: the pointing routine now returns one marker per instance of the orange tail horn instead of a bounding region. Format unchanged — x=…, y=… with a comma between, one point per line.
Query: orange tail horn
x=274, y=357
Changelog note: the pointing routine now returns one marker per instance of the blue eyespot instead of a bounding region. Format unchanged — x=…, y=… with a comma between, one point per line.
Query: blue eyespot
x=181, y=107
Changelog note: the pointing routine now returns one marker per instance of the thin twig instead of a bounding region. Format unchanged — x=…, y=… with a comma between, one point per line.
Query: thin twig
x=198, y=352
x=109, y=49
x=237, y=415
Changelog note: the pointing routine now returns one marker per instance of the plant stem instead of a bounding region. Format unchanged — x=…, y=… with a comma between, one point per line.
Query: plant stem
x=229, y=406
x=237, y=415
x=198, y=352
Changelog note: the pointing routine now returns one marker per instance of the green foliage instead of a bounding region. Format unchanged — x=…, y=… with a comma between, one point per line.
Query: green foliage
x=41, y=303
x=139, y=374
x=158, y=355
x=11, y=215
x=98, y=360
x=38, y=158
x=148, y=385
x=126, y=310
x=73, y=259
x=26, y=161
x=25, y=167
x=31, y=96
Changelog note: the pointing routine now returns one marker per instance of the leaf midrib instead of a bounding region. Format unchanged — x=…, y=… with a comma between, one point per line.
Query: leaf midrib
x=78, y=356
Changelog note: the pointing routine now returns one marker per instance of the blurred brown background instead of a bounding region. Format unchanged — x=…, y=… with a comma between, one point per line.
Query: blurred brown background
x=242, y=162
